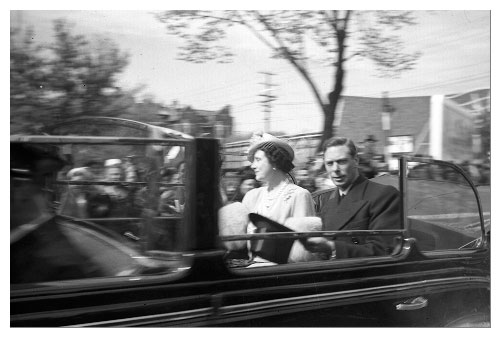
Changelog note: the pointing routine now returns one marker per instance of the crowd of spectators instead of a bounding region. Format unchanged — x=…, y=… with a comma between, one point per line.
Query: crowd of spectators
x=108, y=189
x=312, y=175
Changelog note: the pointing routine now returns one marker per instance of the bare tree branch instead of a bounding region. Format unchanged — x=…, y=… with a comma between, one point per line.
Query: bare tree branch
x=261, y=37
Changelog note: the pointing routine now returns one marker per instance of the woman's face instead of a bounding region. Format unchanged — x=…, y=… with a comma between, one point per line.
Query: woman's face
x=262, y=166
x=113, y=174
x=231, y=187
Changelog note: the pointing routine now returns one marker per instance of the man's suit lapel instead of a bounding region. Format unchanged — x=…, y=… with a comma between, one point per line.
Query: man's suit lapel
x=339, y=214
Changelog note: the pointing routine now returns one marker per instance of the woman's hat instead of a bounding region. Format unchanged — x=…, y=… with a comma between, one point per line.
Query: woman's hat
x=262, y=140
x=112, y=163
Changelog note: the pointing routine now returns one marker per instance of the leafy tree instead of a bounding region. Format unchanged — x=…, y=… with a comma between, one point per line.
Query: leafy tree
x=83, y=74
x=286, y=32
x=67, y=78
x=26, y=79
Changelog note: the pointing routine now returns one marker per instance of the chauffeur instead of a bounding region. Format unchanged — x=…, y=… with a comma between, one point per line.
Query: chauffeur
x=356, y=204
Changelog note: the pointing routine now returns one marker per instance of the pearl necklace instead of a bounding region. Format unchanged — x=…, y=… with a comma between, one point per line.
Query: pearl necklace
x=271, y=198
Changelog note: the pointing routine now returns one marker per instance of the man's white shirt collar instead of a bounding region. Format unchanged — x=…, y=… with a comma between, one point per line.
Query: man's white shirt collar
x=344, y=193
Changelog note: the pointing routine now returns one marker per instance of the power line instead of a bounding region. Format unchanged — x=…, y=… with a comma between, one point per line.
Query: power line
x=297, y=103
x=473, y=77
x=317, y=67
x=230, y=84
x=246, y=104
x=454, y=81
x=219, y=92
x=429, y=86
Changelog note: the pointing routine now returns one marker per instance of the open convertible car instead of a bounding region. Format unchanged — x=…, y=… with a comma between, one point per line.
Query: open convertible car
x=149, y=265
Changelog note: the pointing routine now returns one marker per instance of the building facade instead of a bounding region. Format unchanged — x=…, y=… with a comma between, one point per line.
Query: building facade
x=446, y=127
x=199, y=123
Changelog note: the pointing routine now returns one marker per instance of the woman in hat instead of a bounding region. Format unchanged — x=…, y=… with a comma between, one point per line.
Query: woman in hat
x=83, y=201
x=279, y=198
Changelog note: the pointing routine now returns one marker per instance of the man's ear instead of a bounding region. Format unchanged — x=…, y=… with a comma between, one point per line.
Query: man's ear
x=356, y=160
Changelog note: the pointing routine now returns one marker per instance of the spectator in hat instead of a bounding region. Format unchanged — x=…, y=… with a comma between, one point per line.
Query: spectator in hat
x=83, y=201
x=369, y=142
x=367, y=163
x=121, y=204
x=114, y=173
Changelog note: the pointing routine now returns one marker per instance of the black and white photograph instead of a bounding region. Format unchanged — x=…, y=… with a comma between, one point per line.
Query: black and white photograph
x=253, y=168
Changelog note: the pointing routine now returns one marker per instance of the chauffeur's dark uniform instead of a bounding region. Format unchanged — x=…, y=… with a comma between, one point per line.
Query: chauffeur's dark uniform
x=368, y=205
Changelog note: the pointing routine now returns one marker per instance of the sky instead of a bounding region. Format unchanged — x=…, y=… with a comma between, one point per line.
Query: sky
x=455, y=47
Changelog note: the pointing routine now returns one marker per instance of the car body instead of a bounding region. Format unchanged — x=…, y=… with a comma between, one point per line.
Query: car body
x=437, y=275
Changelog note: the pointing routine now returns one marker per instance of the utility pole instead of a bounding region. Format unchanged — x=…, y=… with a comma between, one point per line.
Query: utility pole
x=268, y=97
x=387, y=111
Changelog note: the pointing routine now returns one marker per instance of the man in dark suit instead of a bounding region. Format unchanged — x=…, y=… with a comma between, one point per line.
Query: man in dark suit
x=355, y=204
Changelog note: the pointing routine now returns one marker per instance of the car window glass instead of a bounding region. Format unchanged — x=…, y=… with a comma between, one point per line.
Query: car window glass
x=442, y=207
x=111, y=210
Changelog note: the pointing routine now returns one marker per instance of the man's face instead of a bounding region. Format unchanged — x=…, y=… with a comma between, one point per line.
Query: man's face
x=370, y=147
x=341, y=167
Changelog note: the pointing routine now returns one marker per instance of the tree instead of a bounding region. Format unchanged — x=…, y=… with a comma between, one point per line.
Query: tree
x=83, y=73
x=67, y=78
x=26, y=79
x=286, y=32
